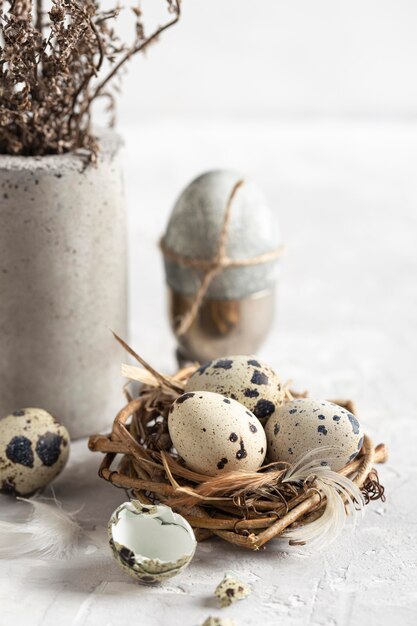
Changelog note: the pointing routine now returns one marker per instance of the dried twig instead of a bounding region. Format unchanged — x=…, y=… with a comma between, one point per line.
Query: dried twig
x=57, y=57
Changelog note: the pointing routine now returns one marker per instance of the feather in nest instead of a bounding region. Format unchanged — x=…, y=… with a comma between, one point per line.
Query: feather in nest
x=49, y=532
x=344, y=499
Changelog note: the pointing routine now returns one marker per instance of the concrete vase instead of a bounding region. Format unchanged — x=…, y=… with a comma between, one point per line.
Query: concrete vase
x=63, y=286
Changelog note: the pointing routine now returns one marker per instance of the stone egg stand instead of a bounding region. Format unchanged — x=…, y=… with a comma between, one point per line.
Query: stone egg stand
x=151, y=471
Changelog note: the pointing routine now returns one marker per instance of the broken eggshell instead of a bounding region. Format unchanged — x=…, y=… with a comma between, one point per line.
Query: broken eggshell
x=150, y=542
x=231, y=589
x=219, y=621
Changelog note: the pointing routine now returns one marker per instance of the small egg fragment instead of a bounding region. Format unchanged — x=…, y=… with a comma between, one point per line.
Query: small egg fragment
x=305, y=424
x=150, y=542
x=34, y=448
x=231, y=589
x=243, y=378
x=215, y=434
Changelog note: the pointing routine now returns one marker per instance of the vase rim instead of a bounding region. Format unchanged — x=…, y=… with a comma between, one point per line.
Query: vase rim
x=110, y=143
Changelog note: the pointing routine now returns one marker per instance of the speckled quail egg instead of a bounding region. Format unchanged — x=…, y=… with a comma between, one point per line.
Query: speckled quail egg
x=215, y=434
x=243, y=378
x=34, y=448
x=302, y=425
x=150, y=542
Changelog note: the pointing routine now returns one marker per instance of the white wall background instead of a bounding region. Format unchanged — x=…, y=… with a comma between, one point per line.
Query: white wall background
x=316, y=100
x=277, y=58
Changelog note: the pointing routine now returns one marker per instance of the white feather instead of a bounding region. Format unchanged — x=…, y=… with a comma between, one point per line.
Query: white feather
x=343, y=498
x=49, y=532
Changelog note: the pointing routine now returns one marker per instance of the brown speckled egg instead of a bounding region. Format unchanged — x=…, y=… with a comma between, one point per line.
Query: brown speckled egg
x=215, y=434
x=243, y=378
x=302, y=425
x=34, y=448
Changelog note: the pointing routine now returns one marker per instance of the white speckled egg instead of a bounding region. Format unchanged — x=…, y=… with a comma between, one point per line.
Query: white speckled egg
x=34, y=448
x=214, y=434
x=243, y=378
x=301, y=425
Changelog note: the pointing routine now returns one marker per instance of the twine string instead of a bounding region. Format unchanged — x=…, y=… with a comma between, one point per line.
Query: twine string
x=211, y=268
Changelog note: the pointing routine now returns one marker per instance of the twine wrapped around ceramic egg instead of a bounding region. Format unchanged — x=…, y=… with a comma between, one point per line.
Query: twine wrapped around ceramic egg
x=221, y=252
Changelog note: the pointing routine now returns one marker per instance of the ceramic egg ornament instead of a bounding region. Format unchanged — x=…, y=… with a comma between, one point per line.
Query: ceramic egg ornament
x=305, y=424
x=237, y=310
x=34, y=449
x=215, y=434
x=243, y=378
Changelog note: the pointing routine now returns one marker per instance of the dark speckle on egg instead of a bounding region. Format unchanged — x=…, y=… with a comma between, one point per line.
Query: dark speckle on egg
x=355, y=424
x=203, y=368
x=224, y=364
x=264, y=408
x=259, y=378
x=292, y=411
x=233, y=437
x=276, y=429
x=48, y=448
x=226, y=400
x=253, y=428
x=127, y=556
x=336, y=418
x=322, y=429
x=222, y=463
x=18, y=413
x=7, y=487
x=251, y=393
x=321, y=417
x=254, y=362
x=184, y=397
x=241, y=453
x=19, y=450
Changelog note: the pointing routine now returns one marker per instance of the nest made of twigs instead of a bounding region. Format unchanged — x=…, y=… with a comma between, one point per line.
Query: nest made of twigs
x=244, y=508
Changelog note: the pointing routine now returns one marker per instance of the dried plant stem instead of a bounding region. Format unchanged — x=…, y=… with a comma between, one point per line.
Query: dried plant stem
x=138, y=48
x=52, y=55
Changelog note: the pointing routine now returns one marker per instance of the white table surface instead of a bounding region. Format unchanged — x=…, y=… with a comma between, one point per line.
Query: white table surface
x=346, y=195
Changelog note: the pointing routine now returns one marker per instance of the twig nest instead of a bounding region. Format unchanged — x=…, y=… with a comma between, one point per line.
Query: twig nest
x=215, y=434
x=194, y=229
x=306, y=424
x=34, y=448
x=231, y=589
x=243, y=378
x=150, y=542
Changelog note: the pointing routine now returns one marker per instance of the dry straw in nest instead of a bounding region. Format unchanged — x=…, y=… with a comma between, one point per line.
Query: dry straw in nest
x=247, y=509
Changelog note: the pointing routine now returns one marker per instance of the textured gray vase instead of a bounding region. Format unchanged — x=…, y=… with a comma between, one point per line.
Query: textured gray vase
x=62, y=286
